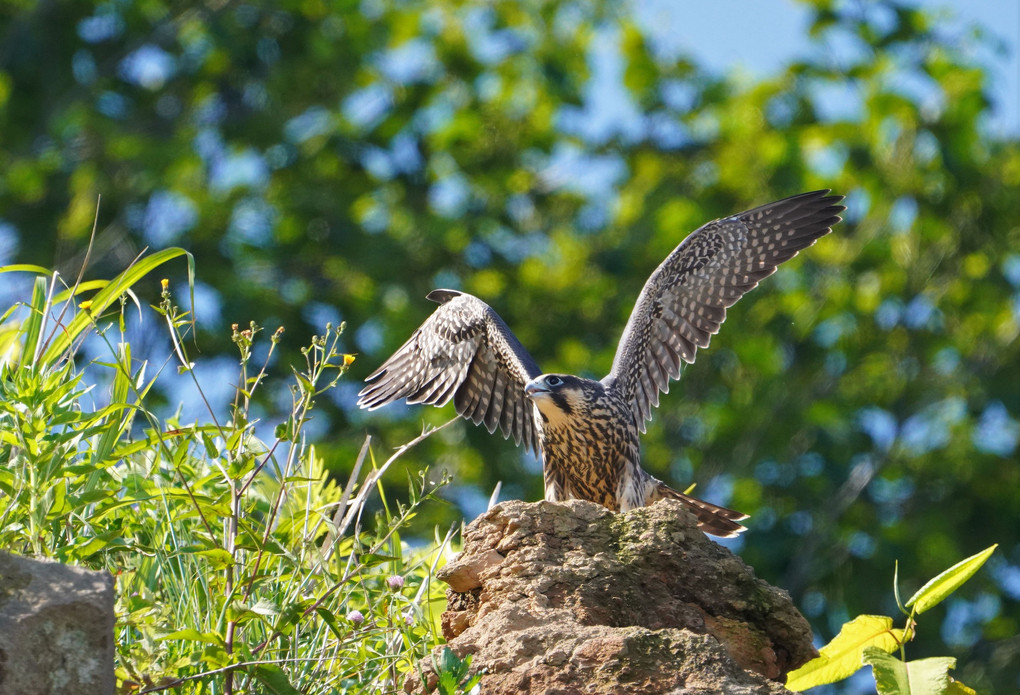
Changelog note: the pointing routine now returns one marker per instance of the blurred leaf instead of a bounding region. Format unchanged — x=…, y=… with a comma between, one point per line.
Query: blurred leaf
x=193, y=635
x=958, y=688
x=275, y=680
x=217, y=557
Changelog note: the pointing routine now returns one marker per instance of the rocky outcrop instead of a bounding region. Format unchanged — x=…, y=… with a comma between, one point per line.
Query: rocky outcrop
x=572, y=598
x=56, y=628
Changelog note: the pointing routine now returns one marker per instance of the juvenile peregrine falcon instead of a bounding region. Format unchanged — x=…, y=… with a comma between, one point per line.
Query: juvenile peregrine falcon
x=587, y=431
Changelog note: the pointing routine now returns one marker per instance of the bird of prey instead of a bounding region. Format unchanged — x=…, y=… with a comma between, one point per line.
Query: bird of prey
x=587, y=431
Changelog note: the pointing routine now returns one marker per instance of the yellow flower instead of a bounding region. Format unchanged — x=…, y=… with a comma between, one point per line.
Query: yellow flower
x=348, y=360
x=165, y=284
x=86, y=305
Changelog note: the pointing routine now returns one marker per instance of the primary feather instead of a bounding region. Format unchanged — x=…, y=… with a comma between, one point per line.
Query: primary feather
x=463, y=351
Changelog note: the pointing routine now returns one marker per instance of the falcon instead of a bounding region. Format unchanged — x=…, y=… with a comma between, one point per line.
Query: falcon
x=587, y=431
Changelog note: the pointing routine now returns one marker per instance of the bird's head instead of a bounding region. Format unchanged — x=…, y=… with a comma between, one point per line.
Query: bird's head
x=559, y=396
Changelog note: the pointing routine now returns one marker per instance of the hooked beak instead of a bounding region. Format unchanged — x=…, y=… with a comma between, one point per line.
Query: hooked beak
x=535, y=387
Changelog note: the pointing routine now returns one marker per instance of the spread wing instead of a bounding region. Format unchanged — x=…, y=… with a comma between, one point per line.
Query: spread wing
x=685, y=300
x=466, y=352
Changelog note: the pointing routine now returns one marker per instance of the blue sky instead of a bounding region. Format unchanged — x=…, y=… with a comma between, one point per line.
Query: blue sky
x=761, y=37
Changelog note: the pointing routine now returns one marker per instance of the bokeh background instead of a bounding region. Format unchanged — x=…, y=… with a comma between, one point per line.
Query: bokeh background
x=335, y=161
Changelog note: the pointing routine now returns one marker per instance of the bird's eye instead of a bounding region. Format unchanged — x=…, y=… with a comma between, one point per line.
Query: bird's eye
x=553, y=380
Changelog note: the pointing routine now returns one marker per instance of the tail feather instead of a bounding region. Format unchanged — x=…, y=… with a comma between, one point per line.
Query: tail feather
x=712, y=519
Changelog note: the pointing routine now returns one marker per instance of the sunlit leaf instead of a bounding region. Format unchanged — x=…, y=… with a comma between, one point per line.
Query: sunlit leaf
x=936, y=590
x=32, y=327
x=920, y=677
x=24, y=268
x=958, y=688
x=194, y=635
x=61, y=340
x=841, y=657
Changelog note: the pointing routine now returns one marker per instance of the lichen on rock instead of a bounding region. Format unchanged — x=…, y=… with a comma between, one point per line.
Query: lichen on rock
x=574, y=598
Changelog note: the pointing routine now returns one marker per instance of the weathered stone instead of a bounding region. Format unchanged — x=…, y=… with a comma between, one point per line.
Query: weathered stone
x=572, y=598
x=56, y=628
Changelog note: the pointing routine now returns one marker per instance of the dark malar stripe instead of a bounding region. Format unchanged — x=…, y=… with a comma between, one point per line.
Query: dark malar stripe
x=561, y=402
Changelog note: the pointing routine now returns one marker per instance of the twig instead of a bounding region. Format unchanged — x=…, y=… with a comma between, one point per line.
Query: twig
x=373, y=478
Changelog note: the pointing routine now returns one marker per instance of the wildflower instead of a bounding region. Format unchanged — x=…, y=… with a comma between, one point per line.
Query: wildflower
x=348, y=360
x=86, y=305
x=395, y=582
x=356, y=617
x=165, y=284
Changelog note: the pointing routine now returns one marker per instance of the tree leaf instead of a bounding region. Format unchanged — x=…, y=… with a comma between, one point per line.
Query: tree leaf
x=920, y=677
x=935, y=591
x=841, y=657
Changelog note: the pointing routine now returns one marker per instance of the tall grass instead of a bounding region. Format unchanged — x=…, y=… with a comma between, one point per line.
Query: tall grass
x=241, y=566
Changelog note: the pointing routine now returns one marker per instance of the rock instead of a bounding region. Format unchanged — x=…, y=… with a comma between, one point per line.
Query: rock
x=56, y=628
x=572, y=598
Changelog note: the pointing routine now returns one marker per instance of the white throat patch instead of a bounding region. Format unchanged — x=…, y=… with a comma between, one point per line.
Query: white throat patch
x=550, y=414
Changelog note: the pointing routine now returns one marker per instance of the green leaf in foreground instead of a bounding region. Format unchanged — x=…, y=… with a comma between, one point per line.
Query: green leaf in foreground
x=448, y=669
x=841, y=657
x=935, y=591
x=452, y=672
x=921, y=677
x=64, y=339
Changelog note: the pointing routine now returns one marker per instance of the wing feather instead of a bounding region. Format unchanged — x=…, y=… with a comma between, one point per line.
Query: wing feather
x=685, y=300
x=464, y=352
x=495, y=411
x=480, y=382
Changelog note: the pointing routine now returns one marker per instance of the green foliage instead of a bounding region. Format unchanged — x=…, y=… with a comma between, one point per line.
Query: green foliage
x=452, y=674
x=841, y=657
x=869, y=639
x=921, y=677
x=241, y=565
x=58, y=455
